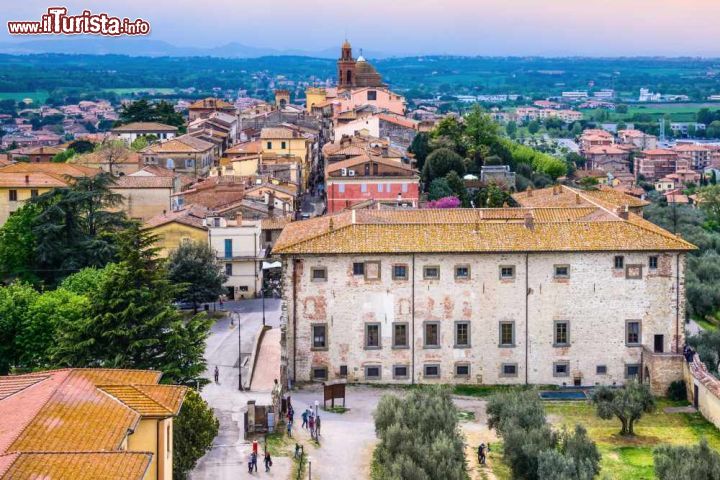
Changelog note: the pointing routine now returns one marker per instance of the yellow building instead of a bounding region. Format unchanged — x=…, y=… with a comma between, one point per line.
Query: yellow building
x=278, y=143
x=88, y=423
x=314, y=96
x=172, y=229
x=21, y=181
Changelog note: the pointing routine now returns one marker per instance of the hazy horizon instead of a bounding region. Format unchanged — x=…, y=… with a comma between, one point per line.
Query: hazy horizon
x=550, y=28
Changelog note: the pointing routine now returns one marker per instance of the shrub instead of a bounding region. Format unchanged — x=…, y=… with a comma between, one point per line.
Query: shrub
x=695, y=462
x=677, y=391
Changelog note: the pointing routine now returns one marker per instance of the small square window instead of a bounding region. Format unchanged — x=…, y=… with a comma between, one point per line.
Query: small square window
x=653, y=262
x=372, y=335
x=400, y=335
x=561, y=369
x=343, y=370
x=462, y=370
x=372, y=95
x=633, y=272
x=432, y=334
x=431, y=371
x=13, y=195
x=562, y=271
x=632, y=371
x=228, y=269
x=431, y=273
x=283, y=145
x=632, y=332
x=462, y=334
x=372, y=270
x=462, y=272
x=562, y=334
x=508, y=370
x=319, y=336
x=507, y=334
x=319, y=373
x=373, y=372
x=601, y=369
x=507, y=272
x=400, y=371
x=318, y=274
x=619, y=262
x=400, y=272
x=269, y=145
x=358, y=268
x=33, y=193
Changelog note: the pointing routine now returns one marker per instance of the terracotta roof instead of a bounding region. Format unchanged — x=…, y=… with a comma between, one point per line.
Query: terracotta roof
x=44, y=150
x=690, y=148
x=211, y=103
x=181, y=144
x=96, y=158
x=76, y=466
x=399, y=120
x=31, y=180
x=148, y=400
x=51, y=168
x=244, y=148
x=564, y=196
x=144, y=127
x=360, y=159
x=659, y=151
x=138, y=181
x=475, y=230
x=274, y=223
x=192, y=216
x=606, y=150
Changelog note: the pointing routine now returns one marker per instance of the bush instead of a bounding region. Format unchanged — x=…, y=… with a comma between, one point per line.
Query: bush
x=677, y=391
x=195, y=429
x=696, y=462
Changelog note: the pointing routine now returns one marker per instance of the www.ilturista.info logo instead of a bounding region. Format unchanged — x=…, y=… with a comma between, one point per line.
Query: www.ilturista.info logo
x=57, y=22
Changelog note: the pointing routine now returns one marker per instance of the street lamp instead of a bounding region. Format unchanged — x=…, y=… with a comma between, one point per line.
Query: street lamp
x=240, y=386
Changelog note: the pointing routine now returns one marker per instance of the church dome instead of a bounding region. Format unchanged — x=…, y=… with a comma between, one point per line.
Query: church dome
x=361, y=59
x=366, y=75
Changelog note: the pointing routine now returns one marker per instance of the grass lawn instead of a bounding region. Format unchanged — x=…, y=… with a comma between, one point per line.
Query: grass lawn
x=488, y=390
x=629, y=458
x=130, y=91
x=37, y=97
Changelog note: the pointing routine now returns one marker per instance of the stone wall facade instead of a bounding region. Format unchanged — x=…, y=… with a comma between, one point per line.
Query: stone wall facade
x=594, y=302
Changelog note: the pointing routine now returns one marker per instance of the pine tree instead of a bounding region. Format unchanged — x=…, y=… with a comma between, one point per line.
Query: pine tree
x=194, y=268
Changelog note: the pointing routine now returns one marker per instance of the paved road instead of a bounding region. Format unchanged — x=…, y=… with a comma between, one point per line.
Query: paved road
x=228, y=457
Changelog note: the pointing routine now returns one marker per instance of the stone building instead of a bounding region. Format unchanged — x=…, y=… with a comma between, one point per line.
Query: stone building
x=567, y=296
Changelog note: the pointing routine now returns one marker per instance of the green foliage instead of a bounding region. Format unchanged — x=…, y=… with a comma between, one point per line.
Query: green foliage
x=699, y=462
x=457, y=186
x=63, y=156
x=144, y=111
x=677, y=391
x=18, y=245
x=709, y=201
x=194, y=268
x=713, y=130
x=88, y=280
x=707, y=345
x=441, y=162
x=15, y=301
x=533, y=127
x=541, y=162
x=82, y=146
x=419, y=437
x=439, y=188
x=628, y=404
x=420, y=147
x=194, y=430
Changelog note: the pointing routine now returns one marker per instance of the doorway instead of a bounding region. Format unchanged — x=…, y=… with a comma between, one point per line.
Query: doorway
x=659, y=343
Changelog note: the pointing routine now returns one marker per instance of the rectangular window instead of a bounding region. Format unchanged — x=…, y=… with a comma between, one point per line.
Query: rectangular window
x=34, y=193
x=619, y=262
x=343, y=370
x=561, y=369
x=268, y=235
x=373, y=372
x=400, y=335
x=228, y=269
x=431, y=273
x=562, y=271
x=400, y=272
x=228, y=248
x=404, y=188
x=632, y=371
x=507, y=272
x=653, y=262
x=269, y=145
x=372, y=95
x=372, y=335
x=319, y=373
x=283, y=145
x=462, y=334
x=380, y=187
x=508, y=370
x=432, y=335
x=341, y=188
x=189, y=163
x=601, y=369
x=319, y=337
x=462, y=272
x=632, y=332
x=462, y=370
x=400, y=371
x=358, y=268
x=363, y=187
x=372, y=270
x=431, y=371
x=562, y=334
x=318, y=274
x=13, y=195
x=507, y=334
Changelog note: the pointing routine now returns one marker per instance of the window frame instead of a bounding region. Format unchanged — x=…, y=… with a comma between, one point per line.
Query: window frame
x=425, y=269
x=355, y=271
x=619, y=260
x=407, y=335
x=343, y=371
x=314, y=369
x=653, y=262
x=598, y=369
x=313, y=278
x=457, y=324
x=12, y=195
x=564, y=276
x=395, y=276
x=313, y=346
x=559, y=363
x=379, y=271
x=373, y=377
x=555, y=333
x=503, y=374
x=512, y=344
x=462, y=277
x=229, y=269
x=462, y=375
x=431, y=365
x=401, y=377
x=627, y=373
x=504, y=277
x=366, y=328
x=628, y=343
x=425, y=332
x=629, y=268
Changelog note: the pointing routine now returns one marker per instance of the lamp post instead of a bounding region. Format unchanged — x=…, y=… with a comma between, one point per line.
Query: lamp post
x=240, y=385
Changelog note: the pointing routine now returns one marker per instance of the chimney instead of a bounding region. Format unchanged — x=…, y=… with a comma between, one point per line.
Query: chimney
x=529, y=220
x=529, y=191
x=578, y=201
x=27, y=178
x=238, y=218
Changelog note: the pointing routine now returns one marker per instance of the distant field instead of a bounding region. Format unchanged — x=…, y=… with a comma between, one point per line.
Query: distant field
x=37, y=97
x=679, y=112
x=130, y=91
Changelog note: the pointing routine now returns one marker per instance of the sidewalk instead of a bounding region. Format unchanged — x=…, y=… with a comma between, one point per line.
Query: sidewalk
x=267, y=364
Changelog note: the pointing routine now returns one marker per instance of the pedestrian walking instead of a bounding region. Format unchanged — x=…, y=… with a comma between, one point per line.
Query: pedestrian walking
x=289, y=428
x=217, y=375
x=481, y=454
x=317, y=427
x=304, y=419
x=311, y=424
x=268, y=461
x=255, y=447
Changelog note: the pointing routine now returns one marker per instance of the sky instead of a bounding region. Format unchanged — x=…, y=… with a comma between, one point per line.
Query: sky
x=418, y=27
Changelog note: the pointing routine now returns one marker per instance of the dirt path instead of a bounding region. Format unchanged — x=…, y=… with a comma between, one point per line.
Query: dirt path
x=476, y=432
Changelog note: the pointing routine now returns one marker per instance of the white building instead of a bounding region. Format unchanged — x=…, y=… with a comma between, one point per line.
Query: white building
x=647, y=96
x=239, y=248
x=575, y=95
x=131, y=131
x=572, y=296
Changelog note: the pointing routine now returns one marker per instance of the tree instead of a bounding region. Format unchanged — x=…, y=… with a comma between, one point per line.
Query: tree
x=15, y=300
x=82, y=146
x=699, y=462
x=457, y=186
x=194, y=267
x=18, y=245
x=707, y=345
x=63, y=156
x=713, y=130
x=132, y=323
x=628, y=404
x=511, y=129
x=420, y=147
x=112, y=152
x=533, y=127
x=144, y=111
x=621, y=108
x=194, y=430
x=440, y=162
x=439, y=188
x=709, y=200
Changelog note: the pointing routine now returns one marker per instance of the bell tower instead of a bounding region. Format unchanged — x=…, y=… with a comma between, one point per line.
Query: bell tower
x=346, y=67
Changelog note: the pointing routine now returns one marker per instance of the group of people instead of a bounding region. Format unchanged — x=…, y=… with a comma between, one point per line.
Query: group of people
x=252, y=463
x=482, y=453
x=311, y=422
